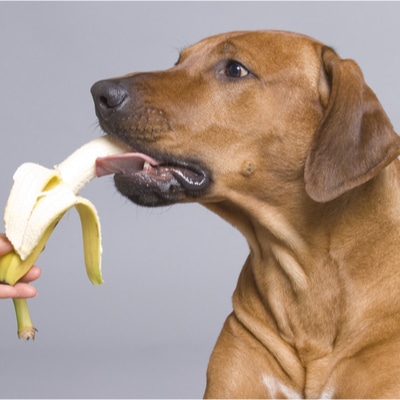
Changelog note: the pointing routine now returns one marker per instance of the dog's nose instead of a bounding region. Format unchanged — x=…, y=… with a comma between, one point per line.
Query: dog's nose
x=109, y=96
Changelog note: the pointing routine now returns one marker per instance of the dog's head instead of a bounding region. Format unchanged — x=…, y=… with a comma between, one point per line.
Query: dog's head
x=267, y=112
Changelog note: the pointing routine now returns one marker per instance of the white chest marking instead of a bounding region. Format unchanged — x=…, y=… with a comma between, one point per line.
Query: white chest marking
x=277, y=389
x=327, y=393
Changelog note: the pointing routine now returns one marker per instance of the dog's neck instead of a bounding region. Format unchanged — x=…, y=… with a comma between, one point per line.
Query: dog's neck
x=300, y=256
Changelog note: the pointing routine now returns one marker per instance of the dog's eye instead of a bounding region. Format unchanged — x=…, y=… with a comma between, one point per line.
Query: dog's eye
x=236, y=70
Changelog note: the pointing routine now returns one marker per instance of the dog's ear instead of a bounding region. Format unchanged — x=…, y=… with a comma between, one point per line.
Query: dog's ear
x=355, y=139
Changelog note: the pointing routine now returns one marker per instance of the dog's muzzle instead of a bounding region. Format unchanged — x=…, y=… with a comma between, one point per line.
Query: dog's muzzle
x=148, y=177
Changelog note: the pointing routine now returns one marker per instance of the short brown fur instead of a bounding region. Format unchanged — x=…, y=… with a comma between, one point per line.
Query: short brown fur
x=303, y=162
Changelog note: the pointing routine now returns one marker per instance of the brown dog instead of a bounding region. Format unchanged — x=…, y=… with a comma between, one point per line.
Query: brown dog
x=283, y=139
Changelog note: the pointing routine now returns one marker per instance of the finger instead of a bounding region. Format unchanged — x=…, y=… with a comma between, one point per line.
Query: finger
x=19, y=291
x=5, y=244
x=7, y=291
x=32, y=274
x=24, y=291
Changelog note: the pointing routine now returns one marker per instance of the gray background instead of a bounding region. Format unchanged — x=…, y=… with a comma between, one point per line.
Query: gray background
x=169, y=273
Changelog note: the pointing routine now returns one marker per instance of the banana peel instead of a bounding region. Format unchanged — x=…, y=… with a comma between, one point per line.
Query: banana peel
x=38, y=200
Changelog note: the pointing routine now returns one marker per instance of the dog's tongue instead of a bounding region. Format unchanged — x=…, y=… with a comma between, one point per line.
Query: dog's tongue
x=123, y=163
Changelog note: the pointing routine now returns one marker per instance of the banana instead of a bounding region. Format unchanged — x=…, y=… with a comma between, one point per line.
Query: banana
x=38, y=200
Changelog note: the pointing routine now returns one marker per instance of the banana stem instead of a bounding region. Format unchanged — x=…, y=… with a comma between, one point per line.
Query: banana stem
x=26, y=330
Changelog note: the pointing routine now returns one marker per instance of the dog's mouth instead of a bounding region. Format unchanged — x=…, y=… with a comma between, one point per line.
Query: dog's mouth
x=151, y=182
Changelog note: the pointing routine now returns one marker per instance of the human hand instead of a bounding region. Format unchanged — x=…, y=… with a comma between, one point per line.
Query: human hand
x=22, y=289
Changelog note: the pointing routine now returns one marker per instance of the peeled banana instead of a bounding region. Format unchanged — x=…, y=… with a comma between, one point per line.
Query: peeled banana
x=38, y=199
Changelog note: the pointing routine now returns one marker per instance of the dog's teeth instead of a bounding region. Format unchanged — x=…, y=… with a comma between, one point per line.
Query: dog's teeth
x=146, y=166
